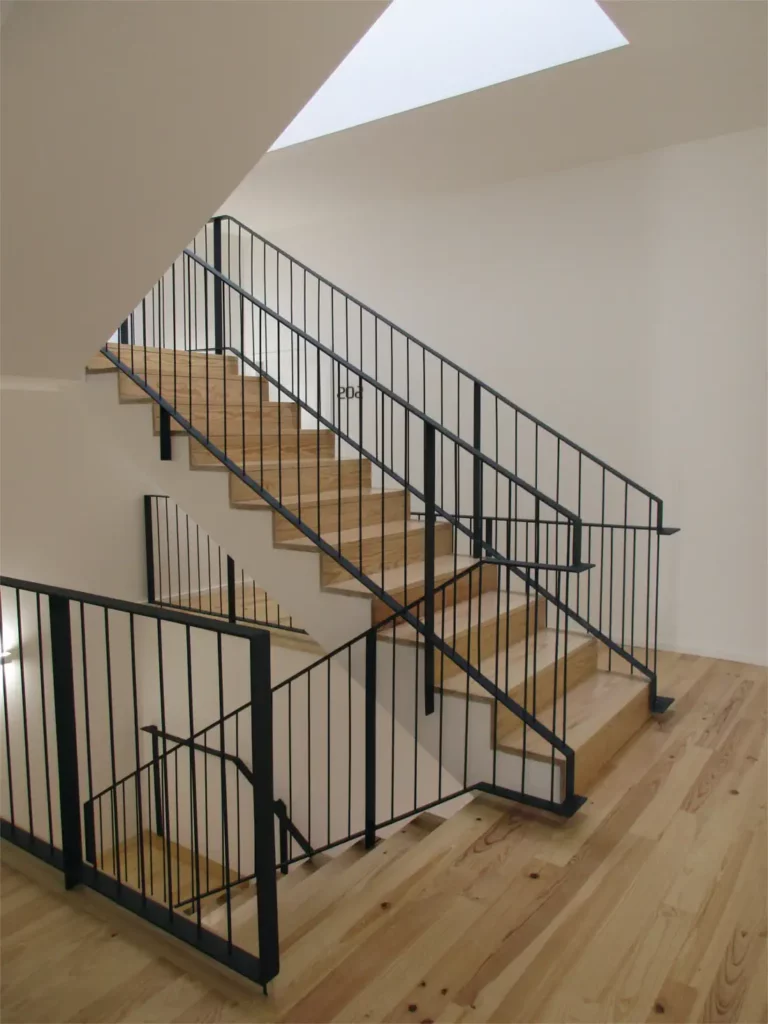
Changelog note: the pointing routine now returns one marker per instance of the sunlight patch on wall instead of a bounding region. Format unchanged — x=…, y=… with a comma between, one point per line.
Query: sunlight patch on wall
x=422, y=51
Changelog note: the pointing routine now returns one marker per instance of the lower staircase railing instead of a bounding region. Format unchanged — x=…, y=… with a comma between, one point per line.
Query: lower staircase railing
x=79, y=671
x=136, y=812
x=188, y=570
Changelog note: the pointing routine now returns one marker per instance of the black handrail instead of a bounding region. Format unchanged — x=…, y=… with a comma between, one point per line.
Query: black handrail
x=88, y=655
x=582, y=469
x=386, y=392
x=444, y=359
x=410, y=614
x=158, y=556
x=286, y=825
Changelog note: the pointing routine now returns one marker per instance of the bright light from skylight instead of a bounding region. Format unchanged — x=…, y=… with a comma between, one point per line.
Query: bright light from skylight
x=421, y=51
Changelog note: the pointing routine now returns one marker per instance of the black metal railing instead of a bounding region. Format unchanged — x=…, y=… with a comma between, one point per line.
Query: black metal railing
x=81, y=785
x=175, y=821
x=319, y=477
x=356, y=750
x=187, y=569
x=618, y=601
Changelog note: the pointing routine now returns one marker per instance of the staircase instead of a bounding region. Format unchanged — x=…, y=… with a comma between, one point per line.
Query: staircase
x=512, y=578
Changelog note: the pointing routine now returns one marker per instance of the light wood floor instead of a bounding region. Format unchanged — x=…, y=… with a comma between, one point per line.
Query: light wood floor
x=649, y=905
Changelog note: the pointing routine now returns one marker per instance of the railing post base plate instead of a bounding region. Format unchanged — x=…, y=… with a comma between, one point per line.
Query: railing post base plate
x=660, y=704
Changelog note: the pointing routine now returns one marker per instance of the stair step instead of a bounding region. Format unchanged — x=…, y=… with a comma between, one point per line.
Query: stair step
x=331, y=929
x=508, y=671
x=265, y=419
x=446, y=567
x=603, y=713
x=206, y=394
x=180, y=361
x=352, y=505
x=399, y=541
x=249, y=604
x=475, y=628
x=282, y=479
x=353, y=871
x=289, y=444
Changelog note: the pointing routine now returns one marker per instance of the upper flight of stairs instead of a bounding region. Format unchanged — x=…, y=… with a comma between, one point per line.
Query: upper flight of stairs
x=507, y=635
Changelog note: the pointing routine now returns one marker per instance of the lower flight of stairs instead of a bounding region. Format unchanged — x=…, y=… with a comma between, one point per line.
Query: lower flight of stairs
x=507, y=634
x=311, y=896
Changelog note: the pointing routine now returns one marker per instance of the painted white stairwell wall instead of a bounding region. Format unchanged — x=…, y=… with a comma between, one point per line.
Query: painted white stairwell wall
x=623, y=303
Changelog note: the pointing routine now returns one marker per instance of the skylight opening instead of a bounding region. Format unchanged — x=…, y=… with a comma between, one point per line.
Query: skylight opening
x=423, y=51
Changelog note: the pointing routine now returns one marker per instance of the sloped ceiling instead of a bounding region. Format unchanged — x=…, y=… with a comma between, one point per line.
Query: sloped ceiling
x=124, y=126
x=693, y=69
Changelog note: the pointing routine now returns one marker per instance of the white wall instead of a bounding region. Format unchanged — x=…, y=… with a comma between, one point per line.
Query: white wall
x=622, y=302
x=123, y=126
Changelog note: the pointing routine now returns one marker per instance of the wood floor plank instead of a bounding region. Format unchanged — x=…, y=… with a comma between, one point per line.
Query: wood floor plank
x=648, y=905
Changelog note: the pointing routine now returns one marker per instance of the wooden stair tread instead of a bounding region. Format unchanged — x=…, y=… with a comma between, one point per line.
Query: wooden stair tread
x=312, y=498
x=515, y=655
x=350, y=536
x=153, y=357
x=462, y=616
x=592, y=705
x=305, y=906
x=446, y=566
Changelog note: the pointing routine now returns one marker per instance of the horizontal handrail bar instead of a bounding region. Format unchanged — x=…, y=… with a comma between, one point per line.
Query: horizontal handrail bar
x=665, y=530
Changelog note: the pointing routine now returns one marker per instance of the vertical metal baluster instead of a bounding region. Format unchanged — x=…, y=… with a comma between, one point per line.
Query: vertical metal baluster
x=610, y=599
x=224, y=790
x=7, y=723
x=167, y=861
x=112, y=751
x=137, y=757
x=25, y=718
x=44, y=717
x=624, y=564
x=328, y=749
x=193, y=780
x=429, y=569
x=66, y=738
x=648, y=587
x=349, y=740
x=263, y=806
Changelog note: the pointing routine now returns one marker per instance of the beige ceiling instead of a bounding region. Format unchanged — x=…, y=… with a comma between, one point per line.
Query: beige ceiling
x=693, y=69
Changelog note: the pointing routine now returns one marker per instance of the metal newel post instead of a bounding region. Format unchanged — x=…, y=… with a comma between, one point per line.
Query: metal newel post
x=231, y=603
x=165, y=435
x=370, y=739
x=218, y=290
x=264, y=806
x=66, y=739
x=477, y=480
x=156, y=782
x=429, y=568
x=149, y=549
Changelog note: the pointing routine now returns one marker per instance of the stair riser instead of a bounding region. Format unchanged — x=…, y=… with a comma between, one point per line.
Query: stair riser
x=369, y=510
x=269, y=447
x=269, y=419
x=394, y=553
x=580, y=665
x=288, y=482
x=255, y=391
x=460, y=591
x=476, y=643
x=594, y=755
